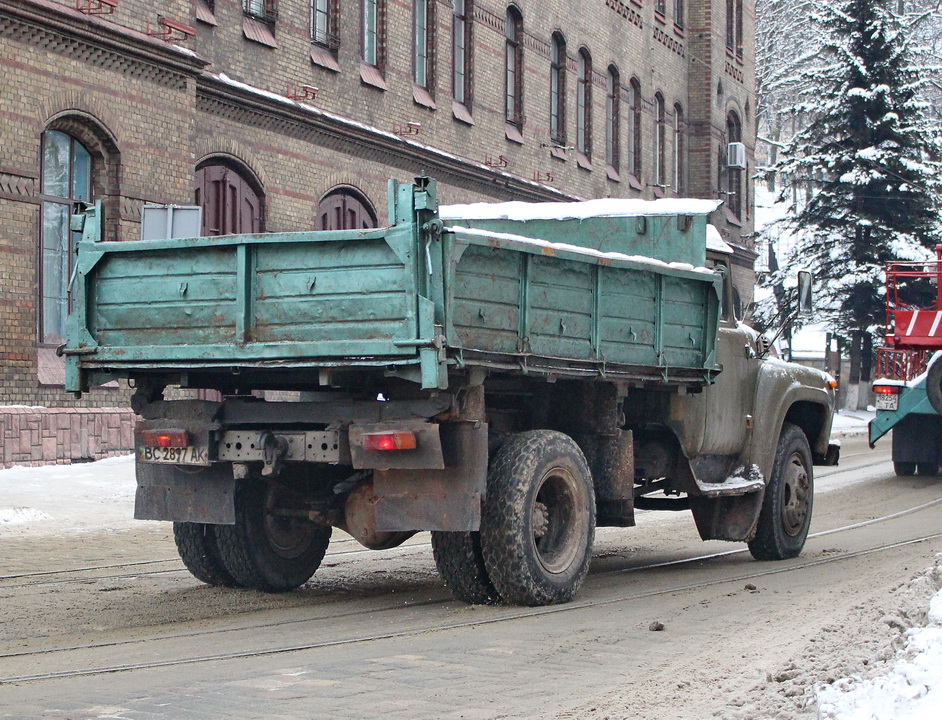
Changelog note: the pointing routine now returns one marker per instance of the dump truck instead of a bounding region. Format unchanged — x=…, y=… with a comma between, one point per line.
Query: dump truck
x=508, y=376
x=908, y=388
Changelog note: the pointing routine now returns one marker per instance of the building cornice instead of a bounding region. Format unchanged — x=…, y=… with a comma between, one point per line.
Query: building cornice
x=97, y=33
x=256, y=106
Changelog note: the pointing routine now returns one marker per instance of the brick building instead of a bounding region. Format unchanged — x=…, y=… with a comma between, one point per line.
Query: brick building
x=291, y=114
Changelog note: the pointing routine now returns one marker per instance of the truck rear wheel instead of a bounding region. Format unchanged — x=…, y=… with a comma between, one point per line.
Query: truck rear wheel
x=265, y=550
x=199, y=551
x=460, y=562
x=927, y=469
x=538, y=522
x=904, y=469
x=786, y=507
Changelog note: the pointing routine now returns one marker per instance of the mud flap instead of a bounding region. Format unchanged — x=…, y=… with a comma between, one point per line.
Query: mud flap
x=726, y=518
x=192, y=494
x=447, y=499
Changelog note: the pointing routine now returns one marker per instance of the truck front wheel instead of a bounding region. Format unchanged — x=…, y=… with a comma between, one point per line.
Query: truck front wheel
x=460, y=562
x=268, y=550
x=786, y=508
x=538, y=522
x=199, y=551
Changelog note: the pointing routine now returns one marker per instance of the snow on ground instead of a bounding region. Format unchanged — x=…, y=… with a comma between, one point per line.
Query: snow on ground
x=62, y=499
x=55, y=499
x=851, y=422
x=912, y=690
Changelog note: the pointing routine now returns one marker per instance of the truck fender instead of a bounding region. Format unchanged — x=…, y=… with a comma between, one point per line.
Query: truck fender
x=802, y=396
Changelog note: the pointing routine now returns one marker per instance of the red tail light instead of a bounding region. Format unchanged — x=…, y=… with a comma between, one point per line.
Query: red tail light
x=886, y=389
x=389, y=441
x=165, y=438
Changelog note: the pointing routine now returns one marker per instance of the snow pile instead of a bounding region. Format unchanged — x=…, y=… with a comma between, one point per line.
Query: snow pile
x=65, y=499
x=519, y=211
x=575, y=249
x=911, y=691
x=14, y=515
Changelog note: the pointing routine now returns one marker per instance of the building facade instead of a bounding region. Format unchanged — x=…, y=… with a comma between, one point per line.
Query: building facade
x=280, y=115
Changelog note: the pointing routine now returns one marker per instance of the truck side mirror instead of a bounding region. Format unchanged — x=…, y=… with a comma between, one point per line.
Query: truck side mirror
x=805, y=302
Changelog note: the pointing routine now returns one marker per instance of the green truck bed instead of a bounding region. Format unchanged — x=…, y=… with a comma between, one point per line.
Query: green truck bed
x=567, y=298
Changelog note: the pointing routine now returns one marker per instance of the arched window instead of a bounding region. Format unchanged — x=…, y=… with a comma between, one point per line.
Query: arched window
x=461, y=52
x=634, y=128
x=584, y=104
x=733, y=174
x=558, y=89
x=513, y=68
x=345, y=209
x=232, y=201
x=679, y=149
x=66, y=178
x=612, y=118
x=660, y=141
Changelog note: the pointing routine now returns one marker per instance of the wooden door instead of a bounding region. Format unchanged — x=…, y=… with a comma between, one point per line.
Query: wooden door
x=343, y=210
x=230, y=205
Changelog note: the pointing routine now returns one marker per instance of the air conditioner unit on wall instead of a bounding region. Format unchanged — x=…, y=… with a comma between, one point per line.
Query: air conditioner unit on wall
x=736, y=155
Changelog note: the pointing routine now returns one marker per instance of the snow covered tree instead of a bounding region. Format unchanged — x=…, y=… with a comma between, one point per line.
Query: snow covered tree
x=868, y=157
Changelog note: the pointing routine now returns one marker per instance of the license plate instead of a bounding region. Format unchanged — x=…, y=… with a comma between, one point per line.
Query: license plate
x=193, y=455
x=887, y=402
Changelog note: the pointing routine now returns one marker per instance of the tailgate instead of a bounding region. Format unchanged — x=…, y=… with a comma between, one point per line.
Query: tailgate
x=291, y=298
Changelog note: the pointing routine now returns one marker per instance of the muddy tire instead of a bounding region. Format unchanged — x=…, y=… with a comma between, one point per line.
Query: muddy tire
x=199, y=551
x=266, y=551
x=538, y=523
x=460, y=563
x=786, y=508
x=904, y=469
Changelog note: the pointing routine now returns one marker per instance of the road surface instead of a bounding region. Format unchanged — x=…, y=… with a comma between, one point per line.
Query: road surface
x=110, y=625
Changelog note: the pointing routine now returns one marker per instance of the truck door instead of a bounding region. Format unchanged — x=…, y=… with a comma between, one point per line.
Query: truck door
x=729, y=401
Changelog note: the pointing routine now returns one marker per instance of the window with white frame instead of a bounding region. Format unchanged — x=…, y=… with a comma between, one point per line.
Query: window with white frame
x=265, y=10
x=634, y=127
x=372, y=36
x=660, y=140
x=324, y=23
x=461, y=52
x=66, y=178
x=584, y=103
x=558, y=89
x=513, y=67
x=423, y=24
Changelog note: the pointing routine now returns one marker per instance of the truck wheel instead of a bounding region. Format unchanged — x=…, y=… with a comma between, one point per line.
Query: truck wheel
x=786, y=507
x=265, y=551
x=460, y=563
x=199, y=551
x=904, y=469
x=927, y=469
x=934, y=386
x=538, y=522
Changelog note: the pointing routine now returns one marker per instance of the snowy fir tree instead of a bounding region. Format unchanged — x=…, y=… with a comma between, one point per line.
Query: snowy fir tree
x=868, y=162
